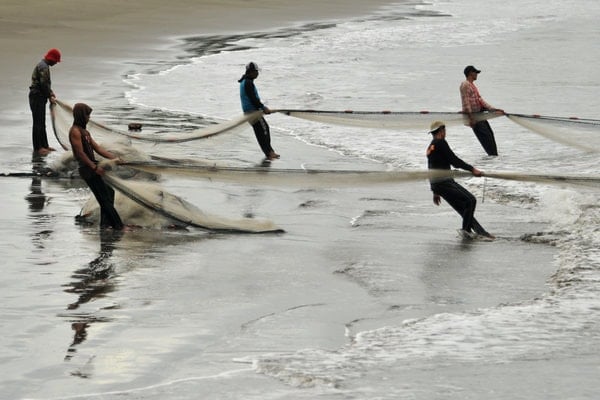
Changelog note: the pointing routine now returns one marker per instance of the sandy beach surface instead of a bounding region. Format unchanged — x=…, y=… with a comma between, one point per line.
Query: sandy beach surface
x=95, y=37
x=332, y=235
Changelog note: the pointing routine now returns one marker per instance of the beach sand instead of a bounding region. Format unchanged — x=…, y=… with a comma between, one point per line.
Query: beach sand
x=95, y=38
x=321, y=250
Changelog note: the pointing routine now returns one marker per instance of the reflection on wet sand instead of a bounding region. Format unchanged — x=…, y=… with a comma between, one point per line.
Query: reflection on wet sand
x=36, y=198
x=92, y=282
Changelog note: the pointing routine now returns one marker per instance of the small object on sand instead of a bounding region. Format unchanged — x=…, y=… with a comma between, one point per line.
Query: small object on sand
x=134, y=126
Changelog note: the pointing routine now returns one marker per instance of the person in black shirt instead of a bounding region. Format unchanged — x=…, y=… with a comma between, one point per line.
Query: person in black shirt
x=40, y=91
x=83, y=146
x=441, y=157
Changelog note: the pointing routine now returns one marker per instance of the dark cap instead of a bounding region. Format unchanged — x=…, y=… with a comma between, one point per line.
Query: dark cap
x=469, y=69
x=251, y=66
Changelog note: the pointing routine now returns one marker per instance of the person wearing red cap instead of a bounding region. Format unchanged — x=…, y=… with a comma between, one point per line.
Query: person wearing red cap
x=40, y=92
x=472, y=102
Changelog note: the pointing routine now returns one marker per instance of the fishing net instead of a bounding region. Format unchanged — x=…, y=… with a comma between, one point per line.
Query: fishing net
x=158, y=207
x=316, y=178
x=144, y=190
x=578, y=133
x=62, y=119
x=419, y=120
x=153, y=196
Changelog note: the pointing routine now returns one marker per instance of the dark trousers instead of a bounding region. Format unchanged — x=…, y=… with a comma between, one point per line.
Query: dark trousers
x=263, y=135
x=485, y=135
x=37, y=104
x=462, y=201
x=105, y=195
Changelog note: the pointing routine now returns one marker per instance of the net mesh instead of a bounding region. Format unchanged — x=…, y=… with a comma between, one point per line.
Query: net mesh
x=135, y=189
x=138, y=188
x=153, y=196
x=419, y=120
x=336, y=178
x=62, y=119
x=578, y=133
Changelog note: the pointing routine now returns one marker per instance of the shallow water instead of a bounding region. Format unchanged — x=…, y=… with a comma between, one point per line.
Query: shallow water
x=369, y=293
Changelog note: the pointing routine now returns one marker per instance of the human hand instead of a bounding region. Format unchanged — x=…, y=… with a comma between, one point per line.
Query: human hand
x=437, y=199
x=476, y=172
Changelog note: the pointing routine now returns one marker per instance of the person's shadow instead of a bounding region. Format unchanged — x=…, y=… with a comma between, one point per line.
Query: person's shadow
x=92, y=282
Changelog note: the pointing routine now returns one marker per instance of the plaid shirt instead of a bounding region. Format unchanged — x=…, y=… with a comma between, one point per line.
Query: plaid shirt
x=471, y=99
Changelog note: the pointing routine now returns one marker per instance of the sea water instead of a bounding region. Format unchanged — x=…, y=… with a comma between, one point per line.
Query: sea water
x=535, y=57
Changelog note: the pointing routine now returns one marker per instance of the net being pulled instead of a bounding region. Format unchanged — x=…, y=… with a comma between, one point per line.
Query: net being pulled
x=578, y=133
x=408, y=120
x=62, y=119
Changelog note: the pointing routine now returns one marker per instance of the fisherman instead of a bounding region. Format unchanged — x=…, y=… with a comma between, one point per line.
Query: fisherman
x=40, y=92
x=472, y=102
x=83, y=146
x=250, y=103
x=441, y=157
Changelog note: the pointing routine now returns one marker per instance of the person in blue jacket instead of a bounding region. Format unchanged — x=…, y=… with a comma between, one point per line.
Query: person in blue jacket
x=441, y=157
x=250, y=103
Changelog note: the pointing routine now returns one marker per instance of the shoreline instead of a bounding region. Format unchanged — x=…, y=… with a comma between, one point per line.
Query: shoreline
x=107, y=36
x=110, y=39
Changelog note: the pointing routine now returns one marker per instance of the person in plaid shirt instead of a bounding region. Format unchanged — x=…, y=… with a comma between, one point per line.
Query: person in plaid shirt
x=472, y=102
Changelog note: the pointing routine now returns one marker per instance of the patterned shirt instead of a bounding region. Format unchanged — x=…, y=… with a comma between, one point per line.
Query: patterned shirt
x=40, y=80
x=471, y=99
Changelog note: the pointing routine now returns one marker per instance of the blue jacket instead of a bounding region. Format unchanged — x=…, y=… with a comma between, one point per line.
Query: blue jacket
x=249, y=96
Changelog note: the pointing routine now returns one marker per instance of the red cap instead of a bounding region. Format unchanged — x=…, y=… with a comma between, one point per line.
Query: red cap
x=53, y=55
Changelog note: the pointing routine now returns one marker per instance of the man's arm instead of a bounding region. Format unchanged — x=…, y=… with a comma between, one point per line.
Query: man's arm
x=250, y=90
x=456, y=161
x=45, y=84
x=251, y=93
x=102, y=151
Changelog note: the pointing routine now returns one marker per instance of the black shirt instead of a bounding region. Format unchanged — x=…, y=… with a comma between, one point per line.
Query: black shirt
x=440, y=156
